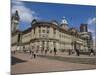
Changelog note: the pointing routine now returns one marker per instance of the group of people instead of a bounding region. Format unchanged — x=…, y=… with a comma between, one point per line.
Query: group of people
x=70, y=52
x=90, y=52
x=50, y=51
x=34, y=53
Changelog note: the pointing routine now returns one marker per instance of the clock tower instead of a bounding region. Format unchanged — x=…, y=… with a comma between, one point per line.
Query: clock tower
x=15, y=22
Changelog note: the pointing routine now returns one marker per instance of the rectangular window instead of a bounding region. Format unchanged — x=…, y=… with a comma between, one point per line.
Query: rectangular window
x=47, y=29
x=43, y=31
x=39, y=29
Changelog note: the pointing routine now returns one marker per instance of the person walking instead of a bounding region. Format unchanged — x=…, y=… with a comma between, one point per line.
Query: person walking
x=34, y=55
x=77, y=52
x=92, y=52
x=55, y=51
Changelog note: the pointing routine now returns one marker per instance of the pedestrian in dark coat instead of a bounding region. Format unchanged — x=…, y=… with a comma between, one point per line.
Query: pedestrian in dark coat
x=91, y=52
x=77, y=52
x=34, y=55
x=55, y=51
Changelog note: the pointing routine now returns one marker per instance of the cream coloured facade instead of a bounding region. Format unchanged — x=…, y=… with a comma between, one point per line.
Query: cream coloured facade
x=44, y=35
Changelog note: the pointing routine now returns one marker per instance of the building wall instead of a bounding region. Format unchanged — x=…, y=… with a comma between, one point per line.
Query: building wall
x=47, y=38
x=14, y=38
x=26, y=37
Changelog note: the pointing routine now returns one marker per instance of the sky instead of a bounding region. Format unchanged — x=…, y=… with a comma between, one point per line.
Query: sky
x=74, y=14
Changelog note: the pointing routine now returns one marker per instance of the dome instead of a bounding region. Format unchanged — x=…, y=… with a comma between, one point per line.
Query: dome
x=33, y=21
x=55, y=22
x=64, y=21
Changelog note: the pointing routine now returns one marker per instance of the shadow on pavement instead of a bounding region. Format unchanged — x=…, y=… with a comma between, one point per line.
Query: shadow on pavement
x=91, y=61
x=15, y=60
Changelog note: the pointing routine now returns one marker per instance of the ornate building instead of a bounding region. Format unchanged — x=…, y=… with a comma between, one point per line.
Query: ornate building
x=44, y=35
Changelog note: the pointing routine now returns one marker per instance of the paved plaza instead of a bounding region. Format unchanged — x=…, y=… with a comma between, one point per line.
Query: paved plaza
x=24, y=63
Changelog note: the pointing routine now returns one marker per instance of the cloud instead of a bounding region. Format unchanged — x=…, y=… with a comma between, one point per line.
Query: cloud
x=92, y=30
x=94, y=37
x=17, y=2
x=91, y=21
x=26, y=14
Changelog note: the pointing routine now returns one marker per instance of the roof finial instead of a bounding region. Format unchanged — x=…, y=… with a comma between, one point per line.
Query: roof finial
x=64, y=21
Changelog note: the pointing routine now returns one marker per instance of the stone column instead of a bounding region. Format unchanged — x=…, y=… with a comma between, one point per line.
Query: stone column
x=40, y=45
x=51, y=45
x=51, y=33
x=44, y=45
x=48, y=45
x=57, y=45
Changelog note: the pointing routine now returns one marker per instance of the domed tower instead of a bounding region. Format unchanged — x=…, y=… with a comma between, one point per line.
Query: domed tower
x=54, y=22
x=64, y=23
x=15, y=21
